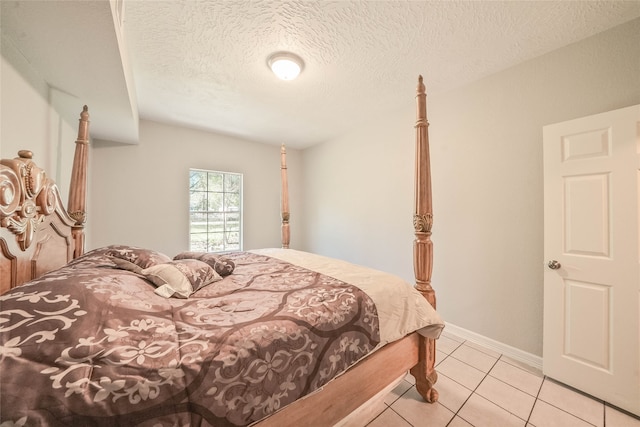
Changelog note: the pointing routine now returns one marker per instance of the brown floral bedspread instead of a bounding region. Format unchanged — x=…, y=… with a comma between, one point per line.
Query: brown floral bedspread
x=91, y=345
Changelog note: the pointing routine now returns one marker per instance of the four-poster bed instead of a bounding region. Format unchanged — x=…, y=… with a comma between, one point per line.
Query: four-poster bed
x=138, y=358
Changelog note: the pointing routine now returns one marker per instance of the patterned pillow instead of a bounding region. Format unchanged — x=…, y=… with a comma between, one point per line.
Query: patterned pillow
x=143, y=258
x=178, y=279
x=223, y=266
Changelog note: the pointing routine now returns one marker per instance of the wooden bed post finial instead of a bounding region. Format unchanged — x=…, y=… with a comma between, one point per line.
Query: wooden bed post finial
x=77, y=206
x=284, y=211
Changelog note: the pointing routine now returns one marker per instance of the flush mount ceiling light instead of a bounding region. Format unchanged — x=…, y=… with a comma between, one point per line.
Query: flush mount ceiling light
x=285, y=65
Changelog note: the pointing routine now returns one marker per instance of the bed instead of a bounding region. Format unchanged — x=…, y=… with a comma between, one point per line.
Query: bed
x=122, y=335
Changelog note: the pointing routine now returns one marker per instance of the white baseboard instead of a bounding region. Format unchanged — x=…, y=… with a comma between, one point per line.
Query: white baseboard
x=511, y=352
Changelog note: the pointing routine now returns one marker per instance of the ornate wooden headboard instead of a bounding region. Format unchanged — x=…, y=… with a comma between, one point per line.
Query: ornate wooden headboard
x=37, y=233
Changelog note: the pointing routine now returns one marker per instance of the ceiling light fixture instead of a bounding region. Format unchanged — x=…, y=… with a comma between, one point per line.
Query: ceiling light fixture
x=285, y=65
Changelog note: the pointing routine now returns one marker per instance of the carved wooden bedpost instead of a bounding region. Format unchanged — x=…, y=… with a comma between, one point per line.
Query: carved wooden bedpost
x=425, y=374
x=423, y=216
x=284, y=198
x=77, y=206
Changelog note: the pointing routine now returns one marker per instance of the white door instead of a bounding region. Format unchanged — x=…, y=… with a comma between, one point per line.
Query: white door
x=592, y=256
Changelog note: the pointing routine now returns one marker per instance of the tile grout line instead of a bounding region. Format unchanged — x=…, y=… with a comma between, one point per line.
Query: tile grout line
x=516, y=387
x=406, y=420
x=472, y=391
x=455, y=414
x=447, y=355
x=396, y=412
x=564, y=410
x=536, y=397
x=512, y=386
x=528, y=421
x=488, y=373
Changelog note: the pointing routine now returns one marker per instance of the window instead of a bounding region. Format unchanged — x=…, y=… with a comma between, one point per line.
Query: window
x=215, y=211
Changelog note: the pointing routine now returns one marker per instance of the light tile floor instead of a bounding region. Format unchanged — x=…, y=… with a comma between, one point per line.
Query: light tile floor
x=481, y=388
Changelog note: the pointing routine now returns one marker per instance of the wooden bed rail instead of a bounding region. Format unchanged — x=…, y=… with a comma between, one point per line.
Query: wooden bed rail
x=284, y=211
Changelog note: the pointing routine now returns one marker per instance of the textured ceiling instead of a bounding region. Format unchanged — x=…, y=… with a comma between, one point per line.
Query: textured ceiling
x=203, y=64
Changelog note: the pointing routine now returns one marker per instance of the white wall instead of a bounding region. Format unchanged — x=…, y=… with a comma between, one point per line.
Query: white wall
x=358, y=193
x=486, y=154
x=140, y=192
x=35, y=116
x=24, y=99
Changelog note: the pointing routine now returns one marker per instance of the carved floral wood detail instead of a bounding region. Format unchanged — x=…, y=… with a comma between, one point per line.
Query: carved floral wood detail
x=27, y=196
x=37, y=233
x=423, y=223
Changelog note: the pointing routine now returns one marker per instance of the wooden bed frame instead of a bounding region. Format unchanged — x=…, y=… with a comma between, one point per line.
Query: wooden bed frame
x=38, y=234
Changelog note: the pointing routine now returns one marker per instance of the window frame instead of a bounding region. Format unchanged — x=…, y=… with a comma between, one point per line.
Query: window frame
x=207, y=213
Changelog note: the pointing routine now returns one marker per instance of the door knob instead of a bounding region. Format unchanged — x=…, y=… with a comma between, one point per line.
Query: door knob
x=553, y=264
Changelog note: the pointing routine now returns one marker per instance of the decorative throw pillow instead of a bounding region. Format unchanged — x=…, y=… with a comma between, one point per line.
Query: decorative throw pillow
x=143, y=258
x=223, y=266
x=178, y=279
